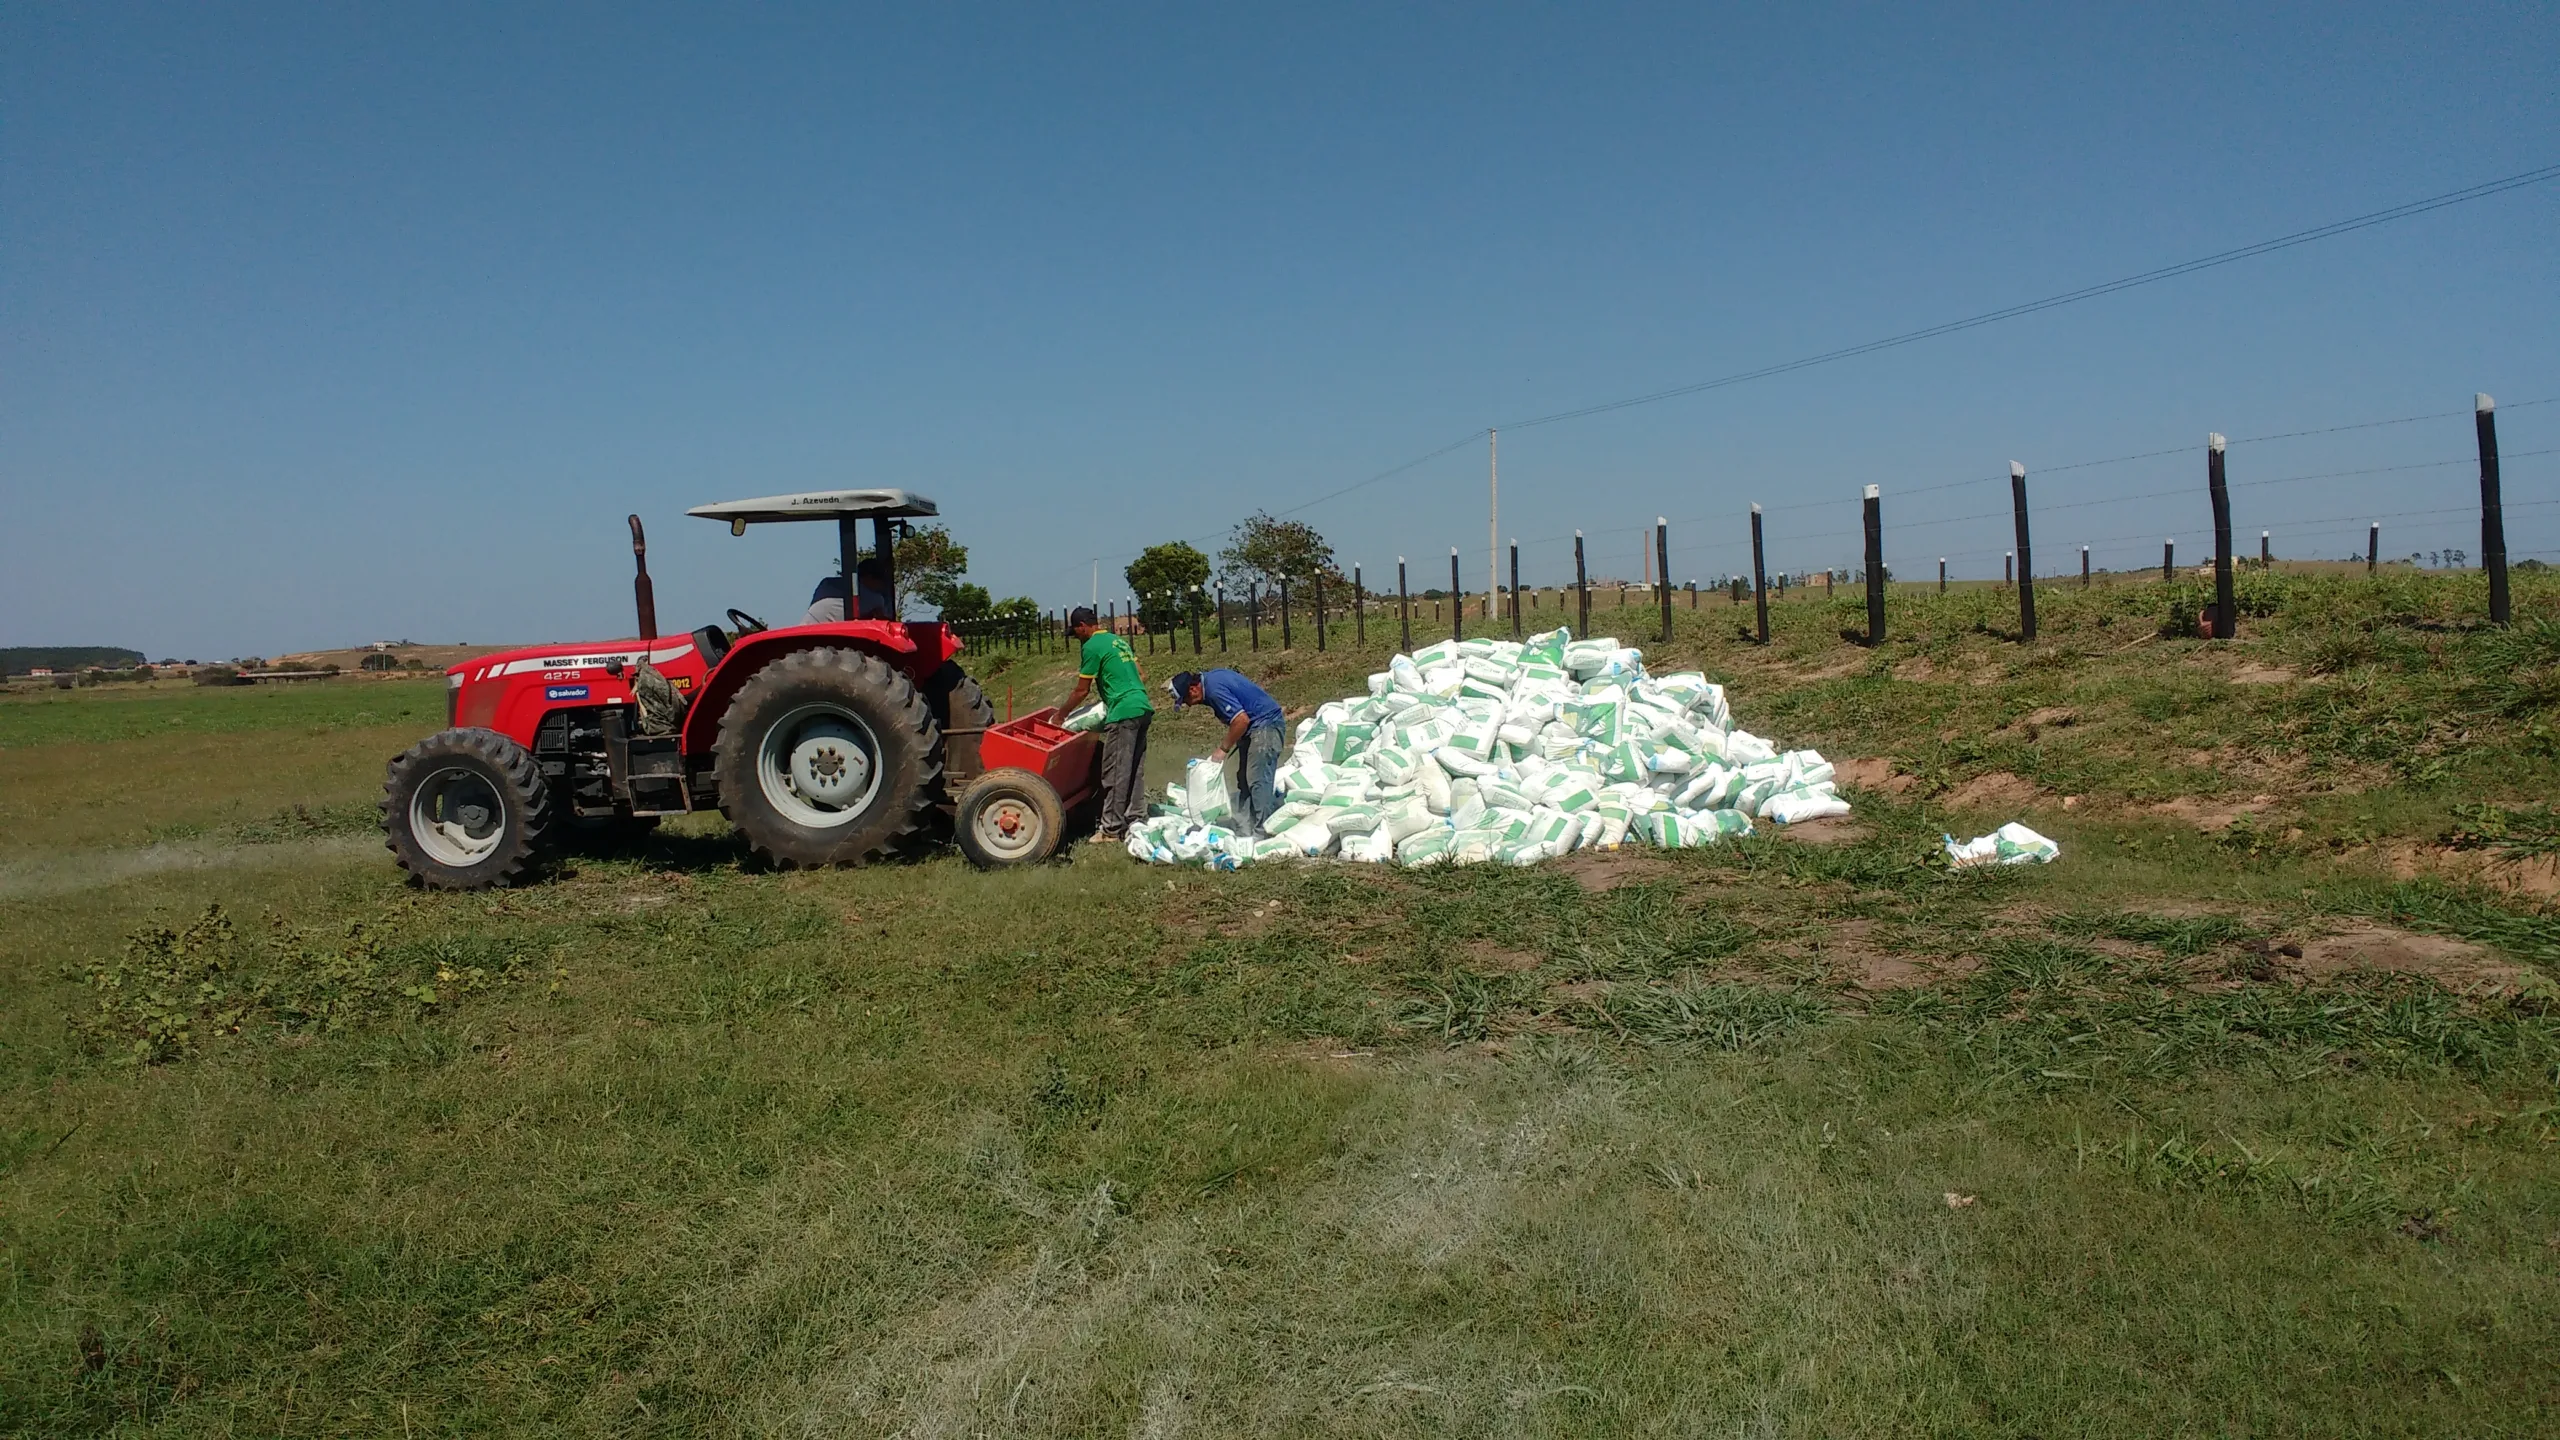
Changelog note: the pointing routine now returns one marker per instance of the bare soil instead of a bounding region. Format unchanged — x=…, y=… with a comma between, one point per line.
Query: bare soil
x=2455, y=964
x=1997, y=790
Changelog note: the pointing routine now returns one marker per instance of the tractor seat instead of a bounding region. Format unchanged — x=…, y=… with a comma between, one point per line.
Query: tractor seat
x=711, y=642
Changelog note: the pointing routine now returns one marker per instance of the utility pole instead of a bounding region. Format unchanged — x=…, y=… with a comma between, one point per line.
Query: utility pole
x=1492, y=522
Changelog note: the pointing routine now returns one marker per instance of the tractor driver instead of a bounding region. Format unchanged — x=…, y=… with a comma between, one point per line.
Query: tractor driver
x=826, y=603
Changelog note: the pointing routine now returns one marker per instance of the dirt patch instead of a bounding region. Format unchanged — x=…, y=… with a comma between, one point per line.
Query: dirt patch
x=1255, y=919
x=2536, y=877
x=1489, y=956
x=2049, y=717
x=1872, y=772
x=1998, y=790
x=1851, y=955
x=1847, y=664
x=1325, y=1052
x=2213, y=815
x=1601, y=870
x=2454, y=964
x=1829, y=830
x=1916, y=669
x=1877, y=973
x=1585, y=992
x=2262, y=675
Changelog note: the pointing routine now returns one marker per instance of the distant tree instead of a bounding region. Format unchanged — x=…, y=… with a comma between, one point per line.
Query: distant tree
x=1266, y=550
x=379, y=660
x=930, y=564
x=964, y=601
x=1015, y=607
x=1161, y=577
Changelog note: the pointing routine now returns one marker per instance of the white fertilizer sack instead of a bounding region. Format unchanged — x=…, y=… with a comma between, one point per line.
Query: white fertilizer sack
x=1494, y=751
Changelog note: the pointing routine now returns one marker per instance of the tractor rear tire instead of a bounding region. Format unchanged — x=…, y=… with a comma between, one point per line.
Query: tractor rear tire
x=1009, y=816
x=958, y=703
x=828, y=757
x=465, y=810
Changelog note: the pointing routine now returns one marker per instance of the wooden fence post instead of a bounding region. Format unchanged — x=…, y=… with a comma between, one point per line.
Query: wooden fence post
x=1253, y=615
x=1516, y=630
x=1359, y=608
x=1319, y=609
x=2493, y=517
x=2084, y=567
x=2266, y=549
x=1662, y=571
x=1457, y=600
x=2226, y=611
x=2168, y=561
x=1404, y=607
x=2026, y=553
x=1195, y=619
x=1581, y=591
x=1873, y=506
x=1942, y=574
x=1759, y=575
x=1285, y=641
x=2373, y=547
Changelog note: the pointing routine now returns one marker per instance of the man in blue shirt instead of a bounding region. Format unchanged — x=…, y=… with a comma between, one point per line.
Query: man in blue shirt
x=1254, y=722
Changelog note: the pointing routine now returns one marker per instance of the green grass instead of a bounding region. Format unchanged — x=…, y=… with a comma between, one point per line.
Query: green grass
x=671, y=1146
x=169, y=708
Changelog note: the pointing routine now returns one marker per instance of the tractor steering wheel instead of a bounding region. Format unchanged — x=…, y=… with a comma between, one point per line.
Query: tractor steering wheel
x=747, y=624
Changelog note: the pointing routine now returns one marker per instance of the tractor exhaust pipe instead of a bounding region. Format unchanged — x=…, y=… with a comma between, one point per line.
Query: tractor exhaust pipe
x=646, y=598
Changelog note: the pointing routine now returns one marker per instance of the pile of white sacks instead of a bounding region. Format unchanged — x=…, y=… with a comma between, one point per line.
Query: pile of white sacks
x=1494, y=750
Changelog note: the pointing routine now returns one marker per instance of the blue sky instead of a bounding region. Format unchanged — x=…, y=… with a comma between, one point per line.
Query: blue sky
x=327, y=324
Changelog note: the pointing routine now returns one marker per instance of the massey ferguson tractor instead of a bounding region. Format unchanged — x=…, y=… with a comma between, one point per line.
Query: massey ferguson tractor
x=825, y=744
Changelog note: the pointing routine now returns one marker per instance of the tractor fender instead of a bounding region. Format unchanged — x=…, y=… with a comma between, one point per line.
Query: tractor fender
x=898, y=644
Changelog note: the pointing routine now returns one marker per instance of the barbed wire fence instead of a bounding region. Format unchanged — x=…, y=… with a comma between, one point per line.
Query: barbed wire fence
x=1684, y=560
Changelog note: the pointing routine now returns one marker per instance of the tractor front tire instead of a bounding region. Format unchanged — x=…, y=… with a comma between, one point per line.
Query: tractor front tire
x=828, y=757
x=1009, y=816
x=465, y=810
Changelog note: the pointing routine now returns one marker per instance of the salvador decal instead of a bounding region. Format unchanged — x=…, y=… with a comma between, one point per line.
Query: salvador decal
x=564, y=692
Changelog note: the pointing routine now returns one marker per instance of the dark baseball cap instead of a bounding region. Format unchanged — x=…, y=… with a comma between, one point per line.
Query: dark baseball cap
x=1181, y=686
x=1082, y=615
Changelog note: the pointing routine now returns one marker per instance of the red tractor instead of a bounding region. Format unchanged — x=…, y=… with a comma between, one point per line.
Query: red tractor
x=824, y=744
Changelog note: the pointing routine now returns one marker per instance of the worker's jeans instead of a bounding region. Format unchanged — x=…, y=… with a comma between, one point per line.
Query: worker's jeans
x=1257, y=768
x=1124, y=774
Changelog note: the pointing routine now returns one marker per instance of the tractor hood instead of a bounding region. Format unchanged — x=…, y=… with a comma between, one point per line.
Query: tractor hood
x=579, y=655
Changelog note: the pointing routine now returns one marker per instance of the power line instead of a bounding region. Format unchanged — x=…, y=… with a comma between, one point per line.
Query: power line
x=2088, y=292
x=2465, y=195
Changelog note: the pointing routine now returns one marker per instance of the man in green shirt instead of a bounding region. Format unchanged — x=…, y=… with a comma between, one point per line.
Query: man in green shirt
x=1108, y=665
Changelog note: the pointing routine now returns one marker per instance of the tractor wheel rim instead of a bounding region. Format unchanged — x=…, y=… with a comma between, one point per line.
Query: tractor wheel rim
x=458, y=817
x=1008, y=827
x=820, y=766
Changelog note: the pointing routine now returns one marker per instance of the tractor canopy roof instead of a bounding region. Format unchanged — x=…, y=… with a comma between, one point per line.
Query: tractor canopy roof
x=819, y=505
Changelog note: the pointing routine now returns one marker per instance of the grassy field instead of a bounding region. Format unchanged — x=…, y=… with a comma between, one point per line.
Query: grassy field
x=2242, y=1119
